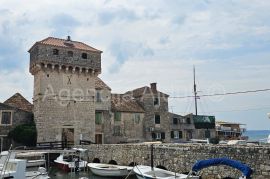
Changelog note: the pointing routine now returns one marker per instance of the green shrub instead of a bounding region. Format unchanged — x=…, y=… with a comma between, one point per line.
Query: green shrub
x=25, y=134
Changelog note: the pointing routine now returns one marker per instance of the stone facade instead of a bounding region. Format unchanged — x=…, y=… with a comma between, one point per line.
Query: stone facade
x=182, y=128
x=64, y=89
x=181, y=157
x=10, y=117
x=156, y=116
x=102, y=112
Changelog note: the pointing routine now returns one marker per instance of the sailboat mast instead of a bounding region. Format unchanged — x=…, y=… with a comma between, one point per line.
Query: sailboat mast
x=195, y=91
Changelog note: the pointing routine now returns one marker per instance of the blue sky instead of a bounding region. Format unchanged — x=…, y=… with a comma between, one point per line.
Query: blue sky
x=154, y=41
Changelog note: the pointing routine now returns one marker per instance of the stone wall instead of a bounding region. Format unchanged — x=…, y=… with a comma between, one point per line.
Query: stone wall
x=181, y=157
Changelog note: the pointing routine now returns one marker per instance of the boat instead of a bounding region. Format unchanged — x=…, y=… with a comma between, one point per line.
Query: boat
x=71, y=160
x=201, y=164
x=16, y=168
x=150, y=172
x=34, y=159
x=147, y=172
x=102, y=169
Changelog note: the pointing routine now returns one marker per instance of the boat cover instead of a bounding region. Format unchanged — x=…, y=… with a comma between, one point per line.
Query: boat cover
x=246, y=170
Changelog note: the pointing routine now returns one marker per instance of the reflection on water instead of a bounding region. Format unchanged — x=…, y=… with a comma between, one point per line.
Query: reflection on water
x=56, y=174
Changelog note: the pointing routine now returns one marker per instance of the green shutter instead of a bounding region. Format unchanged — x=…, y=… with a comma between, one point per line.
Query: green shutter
x=98, y=117
x=117, y=116
x=180, y=134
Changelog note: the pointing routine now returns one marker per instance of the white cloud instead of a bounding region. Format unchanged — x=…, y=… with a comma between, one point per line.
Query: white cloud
x=228, y=41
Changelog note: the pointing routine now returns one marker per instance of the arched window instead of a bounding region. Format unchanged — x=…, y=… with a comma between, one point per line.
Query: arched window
x=84, y=55
x=70, y=53
x=55, y=51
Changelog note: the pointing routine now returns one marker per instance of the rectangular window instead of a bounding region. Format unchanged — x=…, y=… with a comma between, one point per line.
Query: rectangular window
x=188, y=121
x=180, y=134
x=98, y=118
x=156, y=101
x=98, y=96
x=175, y=121
x=117, y=131
x=158, y=135
x=176, y=134
x=157, y=119
x=117, y=116
x=6, y=118
x=137, y=118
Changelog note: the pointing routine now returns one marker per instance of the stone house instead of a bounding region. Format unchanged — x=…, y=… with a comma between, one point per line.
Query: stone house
x=14, y=111
x=102, y=112
x=127, y=120
x=156, y=116
x=182, y=128
x=204, y=126
x=64, y=89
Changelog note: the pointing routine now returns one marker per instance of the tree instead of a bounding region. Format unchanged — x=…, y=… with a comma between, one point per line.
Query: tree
x=25, y=134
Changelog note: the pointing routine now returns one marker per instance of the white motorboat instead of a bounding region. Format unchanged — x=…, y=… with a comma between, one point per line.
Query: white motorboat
x=16, y=168
x=72, y=160
x=103, y=169
x=147, y=172
x=34, y=159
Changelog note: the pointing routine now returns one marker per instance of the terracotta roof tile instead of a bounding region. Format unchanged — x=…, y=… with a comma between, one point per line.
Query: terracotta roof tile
x=125, y=103
x=66, y=44
x=99, y=84
x=18, y=101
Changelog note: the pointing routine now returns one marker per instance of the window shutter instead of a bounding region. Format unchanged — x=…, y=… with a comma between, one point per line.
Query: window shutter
x=162, y=135
x=180, y=135
x=154, y=135
x=172, y=134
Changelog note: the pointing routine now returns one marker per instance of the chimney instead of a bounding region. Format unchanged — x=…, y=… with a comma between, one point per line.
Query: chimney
x=153, y=87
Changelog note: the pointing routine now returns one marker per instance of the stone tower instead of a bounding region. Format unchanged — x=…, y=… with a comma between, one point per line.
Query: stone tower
x=64, y=89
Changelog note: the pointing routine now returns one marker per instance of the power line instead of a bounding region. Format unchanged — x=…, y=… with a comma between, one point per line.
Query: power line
x=224, y=94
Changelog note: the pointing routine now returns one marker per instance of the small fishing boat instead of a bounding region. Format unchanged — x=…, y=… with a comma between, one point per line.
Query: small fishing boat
x=34, y=159
x=150, y=172
x=16, y=168
x=147, y=172
x=201, y=164
x=71, y=160
x=102, y=169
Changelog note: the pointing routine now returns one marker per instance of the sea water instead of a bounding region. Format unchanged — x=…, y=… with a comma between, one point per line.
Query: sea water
x=257, y=135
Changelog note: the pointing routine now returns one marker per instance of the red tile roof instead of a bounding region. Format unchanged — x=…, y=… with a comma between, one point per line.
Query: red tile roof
x=66, y=44
x=99, y=84
x=18, y=101
x=124, y=103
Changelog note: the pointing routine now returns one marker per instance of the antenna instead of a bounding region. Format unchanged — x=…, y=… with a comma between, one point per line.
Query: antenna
x=195, y=90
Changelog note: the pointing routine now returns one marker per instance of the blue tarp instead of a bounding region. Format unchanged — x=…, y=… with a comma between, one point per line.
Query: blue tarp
x=246, y=170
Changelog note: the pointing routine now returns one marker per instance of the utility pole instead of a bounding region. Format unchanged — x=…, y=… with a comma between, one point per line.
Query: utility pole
x=195, y=91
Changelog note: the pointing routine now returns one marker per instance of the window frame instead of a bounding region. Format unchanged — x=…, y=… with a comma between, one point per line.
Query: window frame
x=70, y=53
x=11, y=117
x=158, y=135
x=137, y=118
x=156, y=118
x=98, y=96
x=156, y=102
x=55, y=51
x=84, y=55
x=175, y=120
